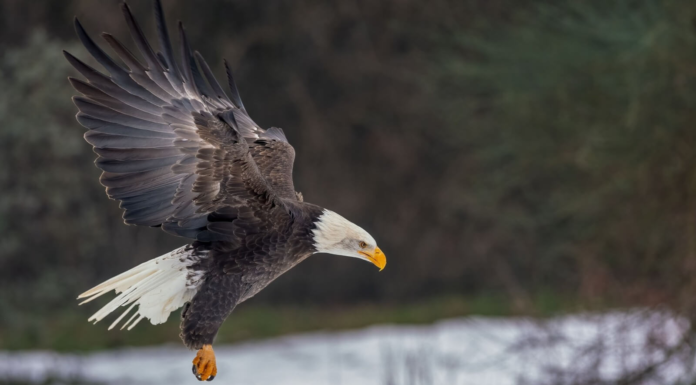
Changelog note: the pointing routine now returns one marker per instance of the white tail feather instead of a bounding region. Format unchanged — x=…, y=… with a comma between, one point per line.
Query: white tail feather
x=158, y=286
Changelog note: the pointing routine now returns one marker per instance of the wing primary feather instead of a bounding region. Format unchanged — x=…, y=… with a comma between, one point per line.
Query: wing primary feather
x=101, y=140
x=136, y=154
x=186, y=59
x=111, y=102
x=123, y=131
x=162, y=60
x=202, y=85
x=118, y=73
x=99, y=111
x=140, y=40
x=163, y=190
x=140, y=73
x=129, y=166
x=114, y=69
x=193, y=74
x=127, y=91
x=219, y=92
x=149, y=213
x=236, y=99
x=130, y=190
x=155, y=68
x=165, y=42
x=125, y=54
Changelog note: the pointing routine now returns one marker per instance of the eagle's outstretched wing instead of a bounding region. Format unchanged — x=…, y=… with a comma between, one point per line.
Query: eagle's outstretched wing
x=173, y=146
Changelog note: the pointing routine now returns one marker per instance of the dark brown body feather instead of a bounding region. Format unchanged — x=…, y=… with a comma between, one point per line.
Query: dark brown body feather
x=180, y=154
x=263, y=245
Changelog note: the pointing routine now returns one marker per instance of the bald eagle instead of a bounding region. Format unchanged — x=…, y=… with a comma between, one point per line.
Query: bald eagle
x=180, y=154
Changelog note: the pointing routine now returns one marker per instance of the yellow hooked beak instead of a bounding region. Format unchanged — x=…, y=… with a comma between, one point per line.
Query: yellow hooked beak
x=377, y=257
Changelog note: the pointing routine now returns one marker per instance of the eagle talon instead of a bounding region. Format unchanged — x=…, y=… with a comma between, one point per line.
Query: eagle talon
x=204, y=367
x=195, y=372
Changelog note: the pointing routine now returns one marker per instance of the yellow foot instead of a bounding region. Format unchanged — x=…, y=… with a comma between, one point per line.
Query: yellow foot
x=204, y=367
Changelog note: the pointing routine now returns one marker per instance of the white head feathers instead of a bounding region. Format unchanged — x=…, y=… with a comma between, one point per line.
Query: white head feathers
x=336, y=235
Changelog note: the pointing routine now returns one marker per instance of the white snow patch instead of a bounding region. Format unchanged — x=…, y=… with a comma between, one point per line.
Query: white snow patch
x=474, y=350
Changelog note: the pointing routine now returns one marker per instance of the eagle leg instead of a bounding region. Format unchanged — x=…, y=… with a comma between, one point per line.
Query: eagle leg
x=204, y=367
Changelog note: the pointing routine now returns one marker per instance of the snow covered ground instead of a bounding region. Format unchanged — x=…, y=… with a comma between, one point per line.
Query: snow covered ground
x=473, y=350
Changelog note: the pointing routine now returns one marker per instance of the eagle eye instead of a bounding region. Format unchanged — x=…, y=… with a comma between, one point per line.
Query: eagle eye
x=363, y=244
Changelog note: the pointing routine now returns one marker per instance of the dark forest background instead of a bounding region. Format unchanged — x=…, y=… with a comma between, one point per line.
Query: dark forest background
x=509, y=156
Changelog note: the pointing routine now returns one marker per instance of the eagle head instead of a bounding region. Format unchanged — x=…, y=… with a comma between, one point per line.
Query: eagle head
x=334, y=234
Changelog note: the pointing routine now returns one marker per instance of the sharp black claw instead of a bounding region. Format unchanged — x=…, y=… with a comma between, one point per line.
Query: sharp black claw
x=210, y=378
x=195, y=372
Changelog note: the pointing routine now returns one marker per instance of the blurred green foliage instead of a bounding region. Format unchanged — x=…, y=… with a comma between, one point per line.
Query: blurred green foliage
x=40, y=178
x=577, y=124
